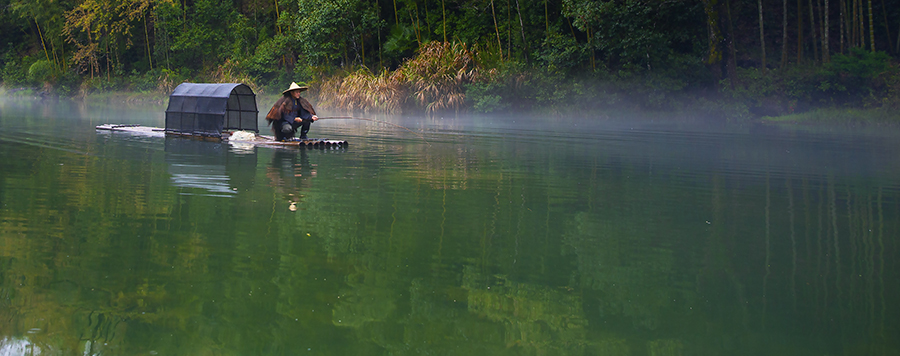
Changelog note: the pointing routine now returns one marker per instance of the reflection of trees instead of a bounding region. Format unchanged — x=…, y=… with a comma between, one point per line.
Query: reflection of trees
x=632, y=278
x=461, y=251
x=537, y=319
x=102, y=255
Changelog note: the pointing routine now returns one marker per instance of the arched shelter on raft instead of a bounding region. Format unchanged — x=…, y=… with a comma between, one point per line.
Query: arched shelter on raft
x=204, y=109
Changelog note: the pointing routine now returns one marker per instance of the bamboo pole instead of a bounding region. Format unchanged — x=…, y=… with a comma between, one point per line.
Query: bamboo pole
x=497, y=30
x=784, y=35
x=762, y=37
x=59, y=62
x=800, y=31
x=547, y=17
x=418, y=24
x=147, y=38
x=278, y=27
x=871, y=29
x=41, y=35
x=731, y=66
x=898, y=39
x=444, y=19
x=826, y=57
x=415, y=28
x=522, y=29
x=887, y=28
x=862, y=26
x=108, y=79
x=841, y=21
x=812, y=32
x=854, y=42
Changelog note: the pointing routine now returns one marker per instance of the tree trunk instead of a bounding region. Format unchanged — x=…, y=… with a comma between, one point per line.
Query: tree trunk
x=800, y=31
x=444, y=19
x=284, y=63
x=871, y=28
x=887, y=28
x=590, y=42
x=898, y=40
x=41, y=36
x=862, y=25
x=418, y=24
x=812, y=32
x=497, y=30
x=184, y=14
x=762, y=37
x=415, y=24
x=841, y=21
x=547, y=16
x=860, y=34
x=825, y=48
x=714, y=33
x=522, y=29
x=509, y=30
x=107, y=57
x=147, y=38
x=90, y=60
x=397, y=20
x=784, y=35
x=731, y=66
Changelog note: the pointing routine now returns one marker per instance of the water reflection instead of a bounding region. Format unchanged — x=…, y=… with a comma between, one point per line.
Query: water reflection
x=208, y=168
x=10, y=346
x=621, y=243
x=290, y=173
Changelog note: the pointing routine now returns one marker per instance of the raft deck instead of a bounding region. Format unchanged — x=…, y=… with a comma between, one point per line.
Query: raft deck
x=262, y=140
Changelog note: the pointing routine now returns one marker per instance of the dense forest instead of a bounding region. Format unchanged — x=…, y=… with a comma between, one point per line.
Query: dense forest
x=764, y=57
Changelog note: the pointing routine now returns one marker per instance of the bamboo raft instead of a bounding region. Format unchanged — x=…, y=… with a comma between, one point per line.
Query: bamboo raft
x=261, y=140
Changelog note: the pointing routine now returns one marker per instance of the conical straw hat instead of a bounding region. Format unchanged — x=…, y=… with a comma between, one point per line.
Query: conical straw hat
x=294, y=86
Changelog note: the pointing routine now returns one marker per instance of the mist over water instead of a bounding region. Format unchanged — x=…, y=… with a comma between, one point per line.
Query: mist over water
x=493, y=235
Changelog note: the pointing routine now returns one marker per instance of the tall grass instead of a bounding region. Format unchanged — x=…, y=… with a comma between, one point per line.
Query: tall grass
x=364, y=91
x=434, y=80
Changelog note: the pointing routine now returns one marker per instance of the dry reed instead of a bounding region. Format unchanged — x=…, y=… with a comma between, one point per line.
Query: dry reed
x=434, y=80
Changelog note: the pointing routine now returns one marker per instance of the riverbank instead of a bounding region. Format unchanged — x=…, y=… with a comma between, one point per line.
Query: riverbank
x=861, y=88
x=874, y=117
x=699, y=108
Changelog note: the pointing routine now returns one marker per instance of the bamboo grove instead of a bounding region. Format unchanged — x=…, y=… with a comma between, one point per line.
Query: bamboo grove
x=517, y=53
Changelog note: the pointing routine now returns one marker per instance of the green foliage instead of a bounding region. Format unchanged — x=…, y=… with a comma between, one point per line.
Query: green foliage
x=855, y=76
x=548, y=56
x=333, y=31
x=67, y=83
x=41, y=71
x=860, y=64
x=400, y=45
x=560, y=52
x=637, y=34
x=263, y=62
x=209, y=33
x=860, y=79
x=14, y=72
x=487, y=97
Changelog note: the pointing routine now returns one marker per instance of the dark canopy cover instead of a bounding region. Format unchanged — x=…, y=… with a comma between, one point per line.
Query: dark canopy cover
x=208, y=109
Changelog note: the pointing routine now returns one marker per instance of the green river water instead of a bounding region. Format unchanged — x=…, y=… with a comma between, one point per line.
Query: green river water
x=497, y=236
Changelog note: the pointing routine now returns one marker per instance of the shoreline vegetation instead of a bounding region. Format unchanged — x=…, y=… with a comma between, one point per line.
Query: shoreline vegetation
x=718, y=59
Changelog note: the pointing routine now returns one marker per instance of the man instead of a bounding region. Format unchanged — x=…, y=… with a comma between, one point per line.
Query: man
x=291, y=112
